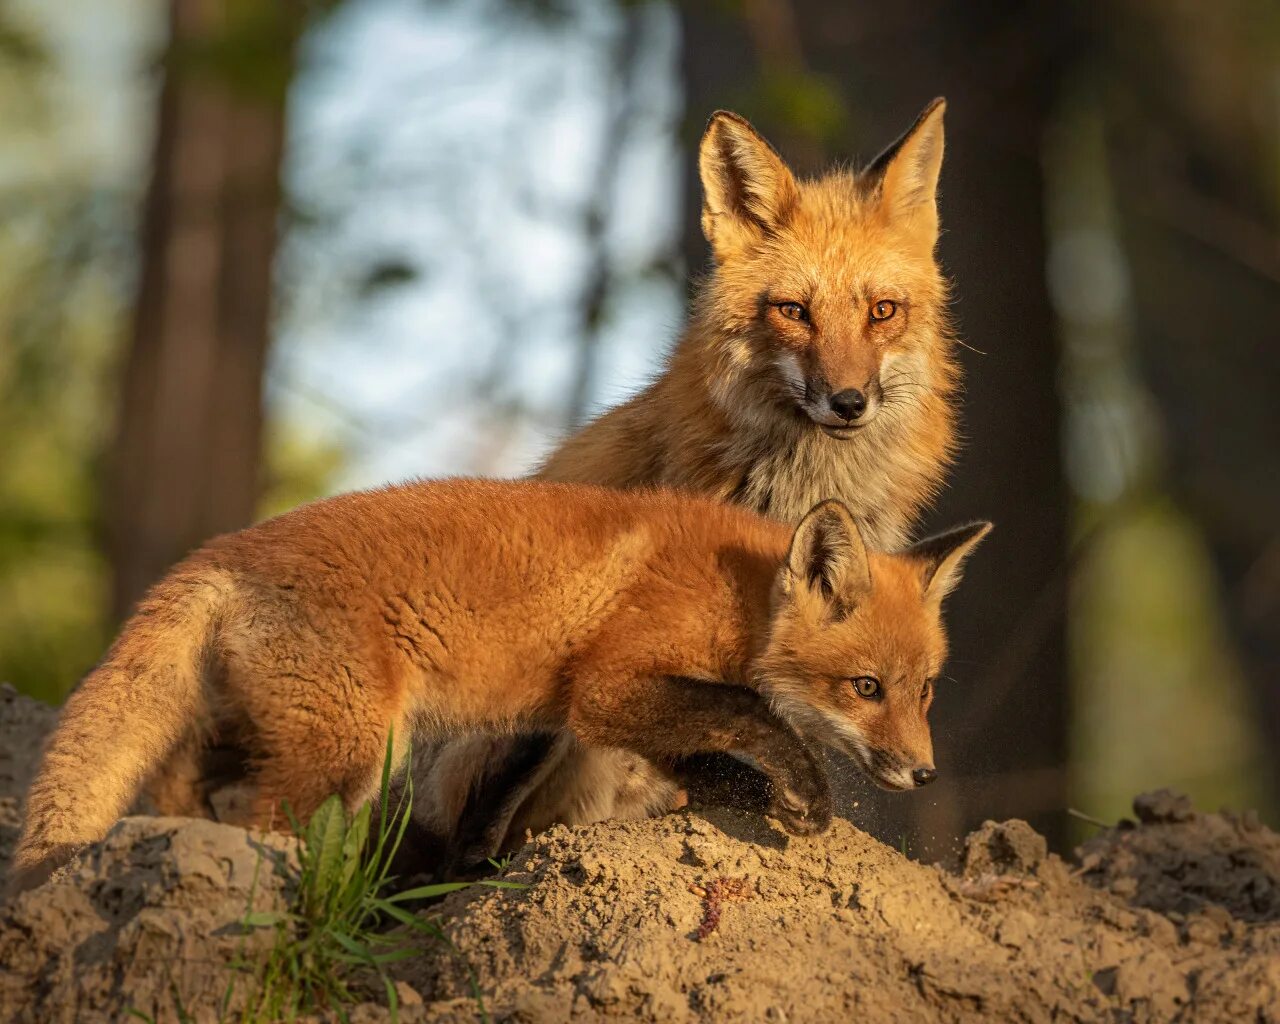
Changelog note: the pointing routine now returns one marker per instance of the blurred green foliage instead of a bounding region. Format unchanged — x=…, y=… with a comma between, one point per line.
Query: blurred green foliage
x=1160, y=700
x=68, y=223
x=245, y=53
x=60, y=316
x=809, y=104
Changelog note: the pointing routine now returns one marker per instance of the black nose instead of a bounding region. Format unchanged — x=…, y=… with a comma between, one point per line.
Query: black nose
x=924, y=776
x=849, y=404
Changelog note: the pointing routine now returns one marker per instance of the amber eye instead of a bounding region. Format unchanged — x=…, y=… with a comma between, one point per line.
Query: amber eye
x=927, y=692
x=867, y=686
x=883, y=309
x=793, y=311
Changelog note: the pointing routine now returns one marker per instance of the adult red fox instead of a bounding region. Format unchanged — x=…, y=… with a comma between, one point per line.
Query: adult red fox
x=817, y=363
x=651, y=621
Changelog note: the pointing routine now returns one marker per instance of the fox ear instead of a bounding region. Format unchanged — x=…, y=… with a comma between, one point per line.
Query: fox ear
x=942, y=555
x=747, y=190
x=908, y=172
x=827, y=559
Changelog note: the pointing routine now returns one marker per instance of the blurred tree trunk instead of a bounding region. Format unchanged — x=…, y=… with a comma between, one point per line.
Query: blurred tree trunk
x=1001, y=727
x=1194, y=153
x=186, y=457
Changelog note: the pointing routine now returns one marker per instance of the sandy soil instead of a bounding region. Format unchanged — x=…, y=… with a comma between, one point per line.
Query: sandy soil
x=721, y=917
x=707, y=915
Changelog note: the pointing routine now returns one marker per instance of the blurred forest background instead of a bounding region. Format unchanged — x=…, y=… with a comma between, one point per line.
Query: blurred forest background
x=256, y=252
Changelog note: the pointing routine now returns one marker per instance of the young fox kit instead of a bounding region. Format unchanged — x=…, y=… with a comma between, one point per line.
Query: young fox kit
x=651, y=621
x=817, y=363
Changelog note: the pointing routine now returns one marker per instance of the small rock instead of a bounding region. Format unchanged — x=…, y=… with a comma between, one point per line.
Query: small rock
x=1017, y=930
x=407, y=994
x=1124, y=887
x=1202, y=930
x=1159, y=928
x=1152, y=979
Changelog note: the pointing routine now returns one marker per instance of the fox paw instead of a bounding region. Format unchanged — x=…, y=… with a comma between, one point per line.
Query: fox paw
x=802, y=815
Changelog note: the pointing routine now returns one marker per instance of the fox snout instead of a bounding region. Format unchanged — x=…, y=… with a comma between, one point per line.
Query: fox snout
x=838, y=409
x=842, y=411
x=895, y=771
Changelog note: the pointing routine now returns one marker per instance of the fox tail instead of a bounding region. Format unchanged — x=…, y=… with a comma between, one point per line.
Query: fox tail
x=120, y=725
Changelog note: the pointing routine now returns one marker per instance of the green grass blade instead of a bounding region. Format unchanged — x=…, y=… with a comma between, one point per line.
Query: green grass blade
x=326, y=833
x=384, y=787
x=353, y=846
x=427, y=892
x=264, y=918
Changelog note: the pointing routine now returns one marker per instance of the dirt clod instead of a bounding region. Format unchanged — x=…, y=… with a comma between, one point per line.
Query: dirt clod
x=145, y=921
x=1163, y=805
x=1004, y=848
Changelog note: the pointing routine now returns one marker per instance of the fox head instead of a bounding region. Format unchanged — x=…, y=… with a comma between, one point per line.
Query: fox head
x=856, y=642
x=825, y=293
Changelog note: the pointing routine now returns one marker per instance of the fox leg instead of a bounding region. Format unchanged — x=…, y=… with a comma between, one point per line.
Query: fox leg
x=302, y=780
x=516, y=767
x=316, y=748
x=667, y=717
x=177, y=788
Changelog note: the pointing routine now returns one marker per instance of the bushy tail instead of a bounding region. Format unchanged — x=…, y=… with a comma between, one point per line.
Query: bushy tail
x=124, y=720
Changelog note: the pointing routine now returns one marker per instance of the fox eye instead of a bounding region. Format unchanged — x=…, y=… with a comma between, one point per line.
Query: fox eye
x=883, y=309
x=867, y=686
x=793, y=311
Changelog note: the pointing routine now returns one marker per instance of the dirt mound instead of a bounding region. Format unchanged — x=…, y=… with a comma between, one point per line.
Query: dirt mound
x=708, y=915
x=1223, y=866
x=147, y=921
x=723, y=918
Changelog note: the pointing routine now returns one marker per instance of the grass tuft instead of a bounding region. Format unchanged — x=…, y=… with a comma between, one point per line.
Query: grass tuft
x=339, y=925
x=340, y=928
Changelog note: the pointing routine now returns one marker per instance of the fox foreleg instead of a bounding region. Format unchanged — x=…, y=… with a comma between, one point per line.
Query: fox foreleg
x=668, y=717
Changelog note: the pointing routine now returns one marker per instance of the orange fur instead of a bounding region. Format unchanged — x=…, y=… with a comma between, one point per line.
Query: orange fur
x=738, y=413
x=727, y=419
x=651, y=621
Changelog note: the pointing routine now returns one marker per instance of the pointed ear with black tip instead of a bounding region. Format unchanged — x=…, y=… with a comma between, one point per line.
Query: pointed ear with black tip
x=828, y=561
x=908, y=172
x=942, y=555
x=747, y=190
